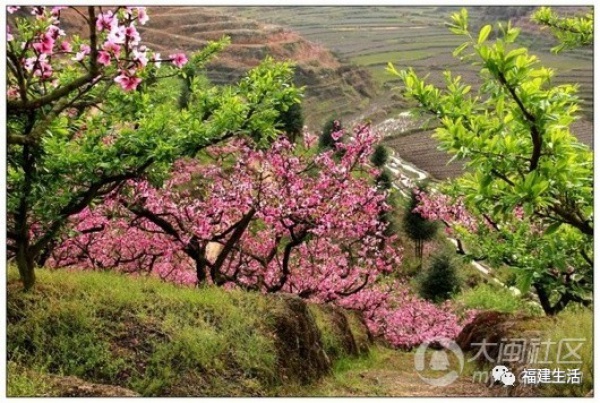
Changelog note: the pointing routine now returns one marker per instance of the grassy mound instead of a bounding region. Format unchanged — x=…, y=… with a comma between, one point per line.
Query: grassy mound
x=562, y=343
x=155, y=338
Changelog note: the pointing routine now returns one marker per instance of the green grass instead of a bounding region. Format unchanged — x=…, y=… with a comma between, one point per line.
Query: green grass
x=573, y=323
x=155, y=338
x=23, y=382
x=332, y=342
x=496, y=298
x=142, y=334
x=347, y=379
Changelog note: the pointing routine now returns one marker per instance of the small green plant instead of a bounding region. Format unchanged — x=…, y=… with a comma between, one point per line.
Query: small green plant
x=380, y=156
x=326, y=141
x=440, y=281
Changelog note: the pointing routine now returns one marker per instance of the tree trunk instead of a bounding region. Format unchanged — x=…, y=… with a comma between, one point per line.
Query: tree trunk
x=200, y=271
x=26, y=266
x=549, y=309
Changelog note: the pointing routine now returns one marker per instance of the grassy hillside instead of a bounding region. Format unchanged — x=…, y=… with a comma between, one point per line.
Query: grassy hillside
x=332, y=88
x=153, y=338
x=105, y=334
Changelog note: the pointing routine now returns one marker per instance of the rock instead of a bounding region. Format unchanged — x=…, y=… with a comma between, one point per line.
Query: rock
x=490, y=326
x=498, y=330
x=71, y=386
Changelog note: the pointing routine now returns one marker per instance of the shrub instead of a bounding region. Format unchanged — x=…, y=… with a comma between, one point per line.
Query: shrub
x=440, y=281
x=380, y=156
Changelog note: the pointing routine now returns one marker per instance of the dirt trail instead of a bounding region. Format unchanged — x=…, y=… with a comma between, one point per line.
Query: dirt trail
x=407, y=383
x=388, y=372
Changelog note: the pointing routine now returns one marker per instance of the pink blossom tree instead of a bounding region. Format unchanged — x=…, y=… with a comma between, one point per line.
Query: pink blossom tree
x=281, y=219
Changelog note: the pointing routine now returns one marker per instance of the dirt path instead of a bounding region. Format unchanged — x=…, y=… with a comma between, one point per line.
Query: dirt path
x=388, y=372
x=407, y=383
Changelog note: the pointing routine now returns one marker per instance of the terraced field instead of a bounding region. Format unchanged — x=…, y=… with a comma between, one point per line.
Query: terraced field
x=332, y=88
x=372, y=36
x=420, y=149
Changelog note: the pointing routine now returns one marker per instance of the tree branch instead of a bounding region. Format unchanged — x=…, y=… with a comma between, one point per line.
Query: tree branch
x=81, y=200
x=536, y=137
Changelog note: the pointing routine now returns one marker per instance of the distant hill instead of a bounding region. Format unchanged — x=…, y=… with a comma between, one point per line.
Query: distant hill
x=332, y=88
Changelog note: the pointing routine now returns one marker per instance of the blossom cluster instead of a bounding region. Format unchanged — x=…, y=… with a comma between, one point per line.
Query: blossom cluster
x=403, y=319
x=44, y=50
x=440, y=207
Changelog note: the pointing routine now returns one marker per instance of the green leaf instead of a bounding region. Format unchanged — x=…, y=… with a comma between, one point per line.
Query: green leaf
x=552, y=228
x=392, y=69
x=484, y=33
x=524, y=280
x=485, y=182
x=460, y=49
x=516, y=52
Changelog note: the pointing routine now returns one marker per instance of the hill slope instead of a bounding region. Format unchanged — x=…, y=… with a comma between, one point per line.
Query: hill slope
x=412, y=36
x=142, y=336
x=332, y=88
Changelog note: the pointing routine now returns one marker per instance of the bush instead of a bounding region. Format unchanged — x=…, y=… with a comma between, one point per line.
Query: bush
x=325, y=140
x=440, y=281
x=379, y=156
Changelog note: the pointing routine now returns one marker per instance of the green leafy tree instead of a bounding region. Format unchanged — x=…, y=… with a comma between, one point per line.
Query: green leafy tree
x=380, y=156
x=418, y=229
x=74, y=135
x=528, y=179
x=440, y=281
